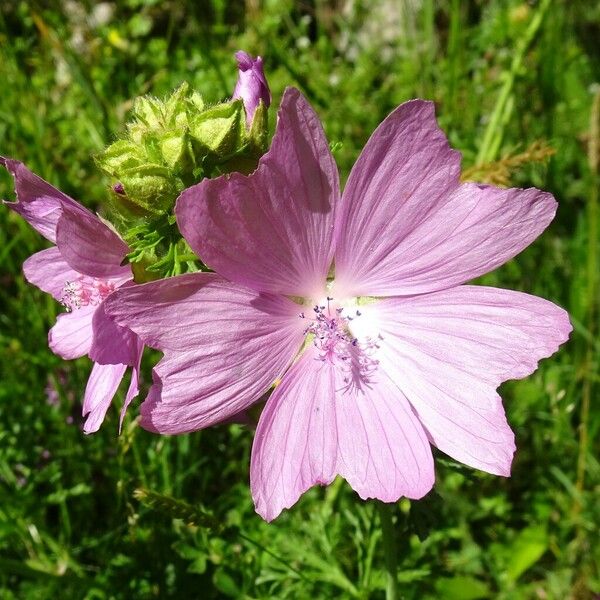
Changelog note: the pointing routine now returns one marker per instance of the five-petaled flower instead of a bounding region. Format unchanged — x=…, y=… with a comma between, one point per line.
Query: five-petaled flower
x=356, y=301
x=80, y=271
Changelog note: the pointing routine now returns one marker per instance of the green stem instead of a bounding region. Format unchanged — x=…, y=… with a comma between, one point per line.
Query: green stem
x=487, y=148
x=389, y=549
x=592, y=299
x=187, y=257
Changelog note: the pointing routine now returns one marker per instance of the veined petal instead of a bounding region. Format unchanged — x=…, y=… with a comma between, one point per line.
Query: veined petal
x=405, y=172
x=411, y=229
x=38, y=202
x=448, y=351
x=90, y=246
x=48, y=271
x=101, y=388
x=134, y=384
x=314, y=427
x=112, y=344
x=273, y=230
x=71, y=336
x=223, y=346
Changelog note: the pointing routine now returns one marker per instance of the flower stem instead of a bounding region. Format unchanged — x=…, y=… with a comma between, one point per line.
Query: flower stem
x=389, y=549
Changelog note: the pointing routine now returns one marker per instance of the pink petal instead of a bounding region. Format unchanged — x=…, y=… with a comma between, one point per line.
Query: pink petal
x=48, y=271
x=39, y=203
x=90, y=246
x=133, y=389
x=448, y=351
x=223, y=346
x=251, y=86
x=271, y=231
x=312, y=429
x=112, y=343
x=101, y=388
x=411, y=229
x=405, y=171
x=71, y=336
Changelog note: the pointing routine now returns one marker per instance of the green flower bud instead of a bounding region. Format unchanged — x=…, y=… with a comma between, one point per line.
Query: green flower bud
x=148, y=111
x=121, y=155
x=177, y=151
x=219, y=130
x=172, y=144
x=151, y=186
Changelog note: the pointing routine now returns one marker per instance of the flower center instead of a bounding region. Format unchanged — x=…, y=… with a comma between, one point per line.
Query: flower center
x=86, y=291
x=329, y=327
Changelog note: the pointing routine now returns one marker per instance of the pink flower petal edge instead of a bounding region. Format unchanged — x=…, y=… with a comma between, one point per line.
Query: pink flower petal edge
x=38, y=202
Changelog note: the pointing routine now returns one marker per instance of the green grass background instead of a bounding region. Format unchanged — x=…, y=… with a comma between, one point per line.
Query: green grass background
x=504, y=74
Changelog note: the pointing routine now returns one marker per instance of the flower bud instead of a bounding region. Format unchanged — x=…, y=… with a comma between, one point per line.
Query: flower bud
x=171, y=144
x=251, y=86
x=218, y=130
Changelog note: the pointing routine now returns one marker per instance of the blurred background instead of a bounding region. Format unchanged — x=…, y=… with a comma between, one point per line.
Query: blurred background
x=517, y=89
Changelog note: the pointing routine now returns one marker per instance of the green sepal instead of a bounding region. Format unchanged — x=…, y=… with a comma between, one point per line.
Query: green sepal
x=177, y=152
x=219, y=129
x=152, y=187
x=121, y=154
x=149, y=111
x=141, y=271
x=259, y=130
x=175, y=108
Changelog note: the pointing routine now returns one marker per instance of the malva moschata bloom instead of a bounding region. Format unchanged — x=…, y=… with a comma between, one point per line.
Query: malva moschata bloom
x=357, y=302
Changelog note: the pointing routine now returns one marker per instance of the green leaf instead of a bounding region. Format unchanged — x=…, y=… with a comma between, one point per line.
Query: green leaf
x=225, y=583
x=526, y=550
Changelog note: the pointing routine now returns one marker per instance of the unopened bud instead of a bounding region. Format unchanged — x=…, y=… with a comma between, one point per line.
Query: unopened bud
x=251, y=86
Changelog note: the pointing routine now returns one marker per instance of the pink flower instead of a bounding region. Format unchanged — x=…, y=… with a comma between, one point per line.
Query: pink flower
x=251, y=86
x=80, y=271
x=356, y=302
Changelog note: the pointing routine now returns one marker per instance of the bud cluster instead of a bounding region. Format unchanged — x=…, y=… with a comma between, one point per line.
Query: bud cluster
x=172, y=144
